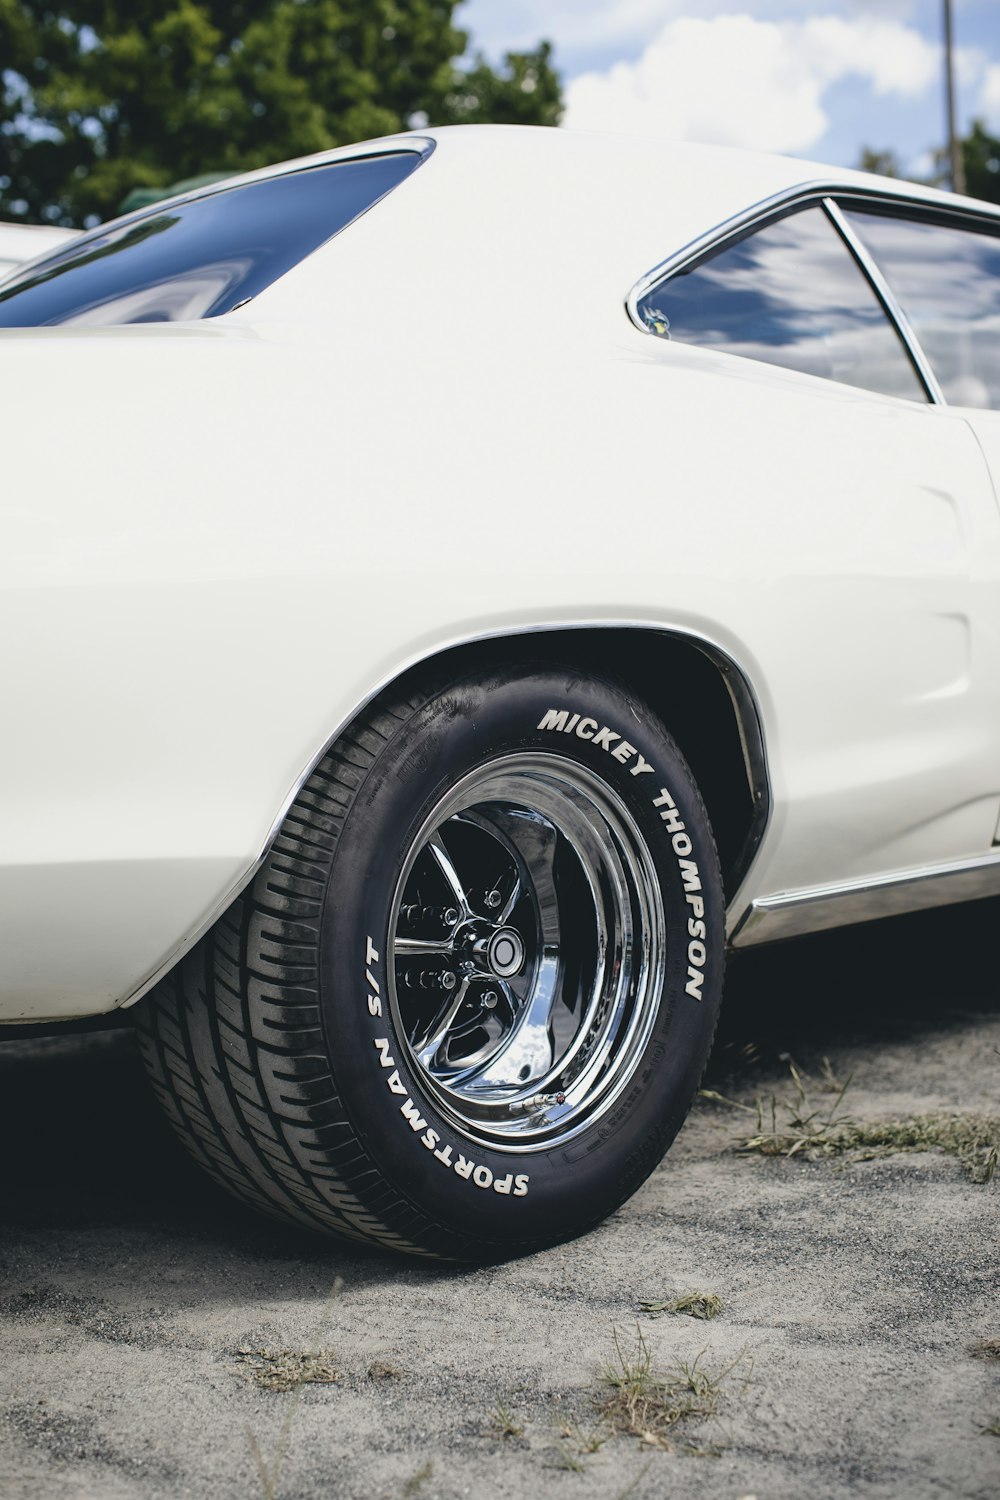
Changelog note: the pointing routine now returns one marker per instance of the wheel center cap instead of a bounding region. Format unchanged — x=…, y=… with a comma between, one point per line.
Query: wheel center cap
x=505, y=952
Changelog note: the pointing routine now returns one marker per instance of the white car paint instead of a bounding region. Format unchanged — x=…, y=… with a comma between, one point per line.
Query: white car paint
x=222, y=538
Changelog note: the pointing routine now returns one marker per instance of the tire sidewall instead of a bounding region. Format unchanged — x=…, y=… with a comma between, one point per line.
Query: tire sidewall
x=477, y=1194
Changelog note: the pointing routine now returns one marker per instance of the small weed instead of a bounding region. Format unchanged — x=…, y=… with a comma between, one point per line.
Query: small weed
x=985, y=1349
x=648, y=1404
x=585, y=1440
x=694, y=1304
x=284, y=1369
x=384, y=1369
x=269, y=1468
x=791, y=1125
x=802, y=1128
x=567, y=1459
x=416, y=1481
x=992, y=1428
x=504, y=1422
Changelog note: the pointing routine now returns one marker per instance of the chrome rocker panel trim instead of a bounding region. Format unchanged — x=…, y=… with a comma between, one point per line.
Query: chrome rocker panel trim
x=817, y=908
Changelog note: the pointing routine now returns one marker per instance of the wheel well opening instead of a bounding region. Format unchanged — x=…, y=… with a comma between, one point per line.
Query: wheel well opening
x=701, y=698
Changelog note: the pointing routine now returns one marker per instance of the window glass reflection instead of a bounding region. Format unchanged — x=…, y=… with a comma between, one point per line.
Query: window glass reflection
x=790, y=294
x=948, y=283
x=203, y=257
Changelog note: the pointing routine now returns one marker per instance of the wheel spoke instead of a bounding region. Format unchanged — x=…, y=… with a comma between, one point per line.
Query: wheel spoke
x=503, y=917
x=530, y=1043
x=407, y=947
x=445, y=864
x=429, y=1046
x=535, y=840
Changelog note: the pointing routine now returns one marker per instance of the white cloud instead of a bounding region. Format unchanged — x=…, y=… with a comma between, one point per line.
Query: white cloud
x=736, y=80
x=580, y=26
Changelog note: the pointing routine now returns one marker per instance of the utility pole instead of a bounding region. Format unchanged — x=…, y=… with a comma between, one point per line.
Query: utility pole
x=954, y=144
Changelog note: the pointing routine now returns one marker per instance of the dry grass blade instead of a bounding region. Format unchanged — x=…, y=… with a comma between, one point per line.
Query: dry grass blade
x=284, y=1369
x=693, y=1304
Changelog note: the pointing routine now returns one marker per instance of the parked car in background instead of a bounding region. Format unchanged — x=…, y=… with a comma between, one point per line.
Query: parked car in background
x=501, y=570
x=24, y=242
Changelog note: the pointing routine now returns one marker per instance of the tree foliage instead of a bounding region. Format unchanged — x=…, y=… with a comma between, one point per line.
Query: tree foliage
x=980, y=154
x=102, y=97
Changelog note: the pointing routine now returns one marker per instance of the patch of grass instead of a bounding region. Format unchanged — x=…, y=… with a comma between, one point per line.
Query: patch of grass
x=649, y=1404
x=579, y=1443
x=973, y=1139
x=585, y=1440
x=284, y=1369
x=793, y=1125
x=992, y=1428
x=504, y=1422
x=985, y=1349
x=695, y=1304
x=417, y=1481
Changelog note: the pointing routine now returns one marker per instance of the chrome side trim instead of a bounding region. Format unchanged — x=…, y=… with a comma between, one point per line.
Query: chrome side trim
x=889, y=301
x=737, y=680
x=817, y=908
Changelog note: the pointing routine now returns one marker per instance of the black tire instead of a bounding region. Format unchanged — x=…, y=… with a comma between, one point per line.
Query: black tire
x=319, y=1081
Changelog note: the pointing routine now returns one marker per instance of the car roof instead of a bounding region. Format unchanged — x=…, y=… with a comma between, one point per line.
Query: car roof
x=555, y=207
x=535, y=216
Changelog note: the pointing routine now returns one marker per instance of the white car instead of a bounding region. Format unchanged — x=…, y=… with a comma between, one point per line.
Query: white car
x=25, y=242
x=402, y=606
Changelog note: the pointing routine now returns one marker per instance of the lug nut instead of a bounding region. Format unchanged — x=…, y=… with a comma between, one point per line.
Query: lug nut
x=493, y=899
x=430, y=979
x=417, y=915
x=490, y=999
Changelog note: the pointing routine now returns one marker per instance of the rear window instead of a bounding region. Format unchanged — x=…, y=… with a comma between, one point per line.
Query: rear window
x=203, y=257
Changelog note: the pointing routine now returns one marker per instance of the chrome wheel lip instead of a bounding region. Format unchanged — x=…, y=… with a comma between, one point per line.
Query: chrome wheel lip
x=549, y=1105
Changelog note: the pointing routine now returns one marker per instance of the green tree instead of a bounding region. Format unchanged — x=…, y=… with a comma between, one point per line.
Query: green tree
x=980, y=153
x=885, y=163
x=101, y=98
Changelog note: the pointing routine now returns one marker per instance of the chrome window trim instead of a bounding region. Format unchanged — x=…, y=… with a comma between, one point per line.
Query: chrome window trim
x=830, y=196
x=887, y=297
x=817, y=908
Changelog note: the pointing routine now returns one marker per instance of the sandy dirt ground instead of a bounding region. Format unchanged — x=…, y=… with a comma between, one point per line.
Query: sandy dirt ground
x=860, y=1299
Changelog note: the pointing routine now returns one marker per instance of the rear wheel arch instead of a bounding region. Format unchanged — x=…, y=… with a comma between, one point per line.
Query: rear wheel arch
x=697, y=689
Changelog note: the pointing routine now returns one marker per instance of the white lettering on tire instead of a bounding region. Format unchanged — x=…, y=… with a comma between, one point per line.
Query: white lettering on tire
x=480, y=1175
x=560, y=721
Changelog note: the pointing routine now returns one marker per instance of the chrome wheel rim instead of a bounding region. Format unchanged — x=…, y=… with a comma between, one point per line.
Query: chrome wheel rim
x=528, y=951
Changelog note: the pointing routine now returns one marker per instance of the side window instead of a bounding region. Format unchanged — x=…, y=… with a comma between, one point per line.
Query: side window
x=790, y=294
x=948, y=284
x=203, y=256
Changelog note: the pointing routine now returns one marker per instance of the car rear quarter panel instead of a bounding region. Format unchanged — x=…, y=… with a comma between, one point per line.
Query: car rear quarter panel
x=223, y=539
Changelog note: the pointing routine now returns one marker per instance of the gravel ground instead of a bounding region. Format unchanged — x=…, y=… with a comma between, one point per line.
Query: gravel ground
x=860, y=1299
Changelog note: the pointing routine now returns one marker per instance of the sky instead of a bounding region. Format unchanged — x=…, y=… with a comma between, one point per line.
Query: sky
x=813, y=78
